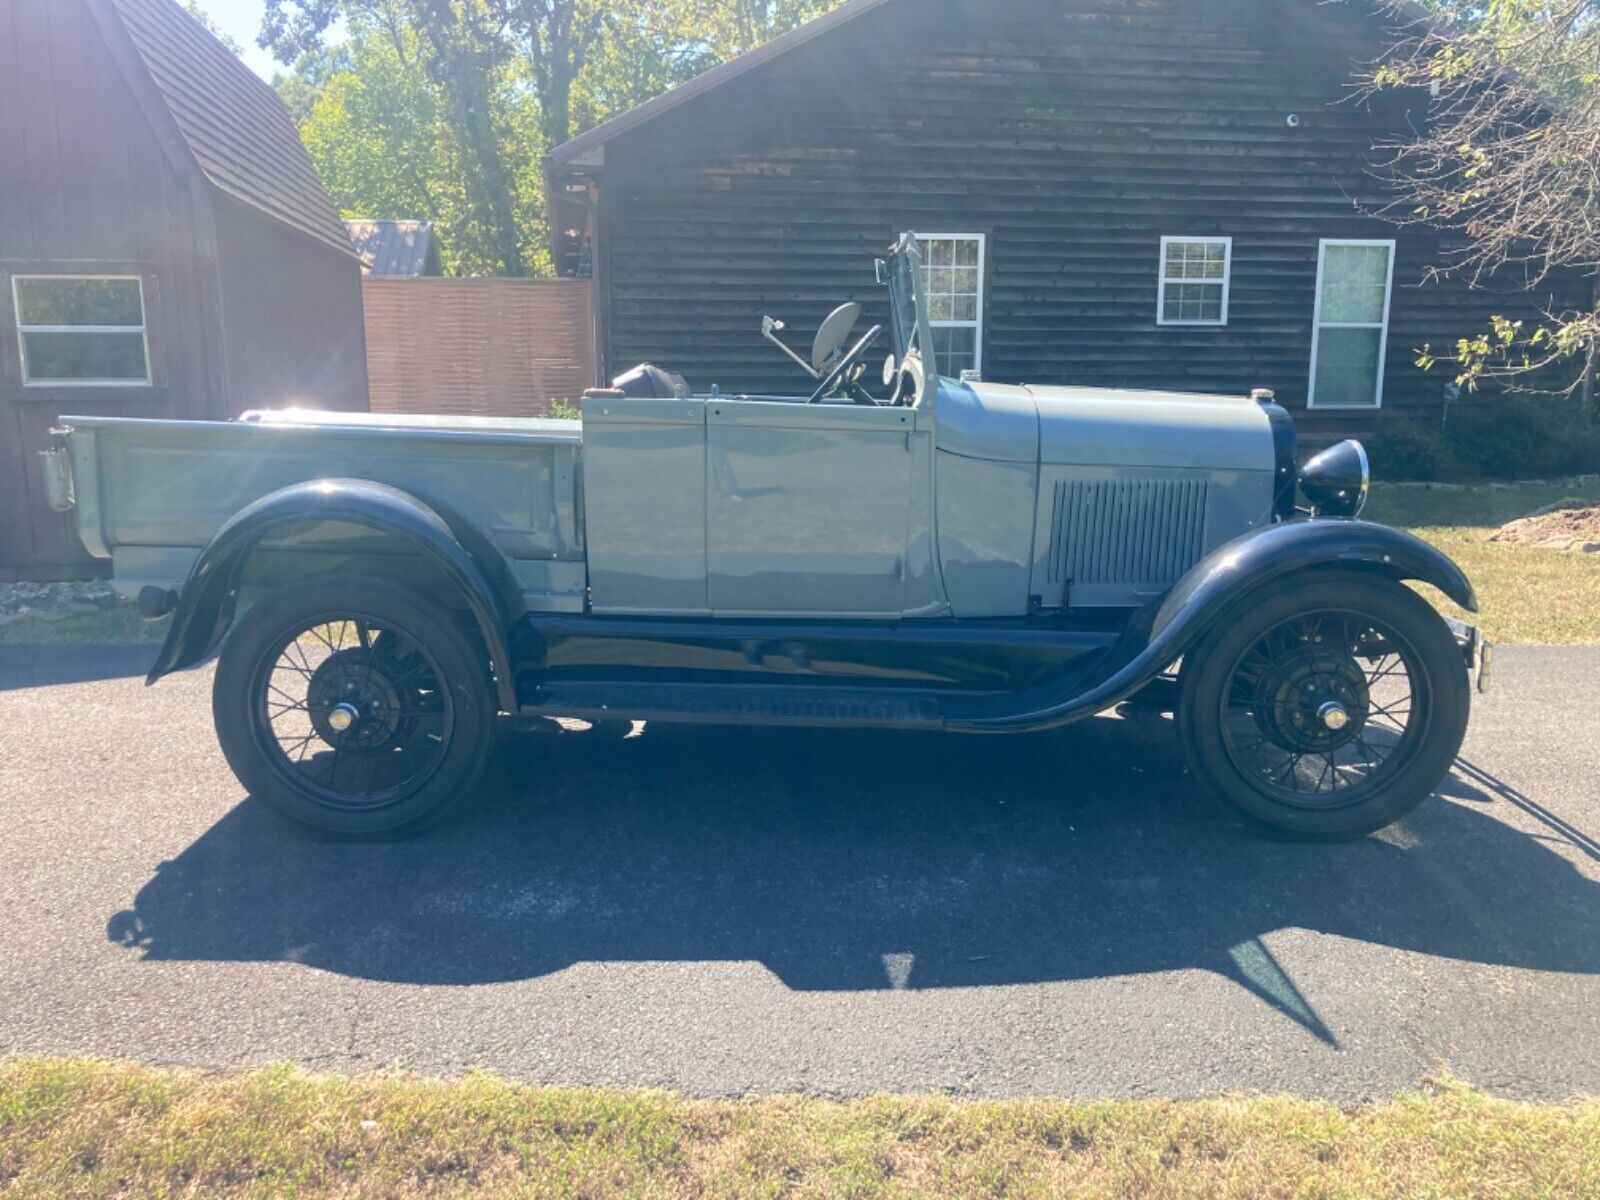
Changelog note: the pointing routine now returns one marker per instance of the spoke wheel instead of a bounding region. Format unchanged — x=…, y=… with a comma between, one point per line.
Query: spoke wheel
x=1324, y=709
x=355, y=706
x=352, y=710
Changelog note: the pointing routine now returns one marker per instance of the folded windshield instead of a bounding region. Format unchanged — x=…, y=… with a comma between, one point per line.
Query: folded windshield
x=902, y=272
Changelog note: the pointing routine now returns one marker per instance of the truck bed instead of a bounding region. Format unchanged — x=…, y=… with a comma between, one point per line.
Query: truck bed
x=152, y=493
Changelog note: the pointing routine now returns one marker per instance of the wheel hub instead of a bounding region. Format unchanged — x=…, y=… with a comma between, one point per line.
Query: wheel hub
x=1312, y=700
x=353, y=704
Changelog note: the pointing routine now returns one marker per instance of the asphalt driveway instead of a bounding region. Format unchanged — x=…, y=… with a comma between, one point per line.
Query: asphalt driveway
x=733, y=911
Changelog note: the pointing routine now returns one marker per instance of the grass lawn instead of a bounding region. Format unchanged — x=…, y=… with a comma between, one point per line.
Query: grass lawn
x=79, y=1128
x=115, y=625
x=1526, y=595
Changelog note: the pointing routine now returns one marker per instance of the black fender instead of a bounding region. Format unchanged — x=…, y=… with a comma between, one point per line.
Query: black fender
x=1171, y=627
x=208, y=601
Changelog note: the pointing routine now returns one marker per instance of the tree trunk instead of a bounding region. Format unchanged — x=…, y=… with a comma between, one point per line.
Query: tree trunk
x=555, y=109
x=1590, y=412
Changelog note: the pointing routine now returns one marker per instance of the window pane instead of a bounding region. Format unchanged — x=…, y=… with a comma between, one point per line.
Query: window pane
x=79, y=302
x=964, y=280
x=1347, y=366
x=957, y=350
x=1354, y=279
x=966, y=308
x=1193, y=302
x=941, y=307
x=967, y=252
x=78, y=357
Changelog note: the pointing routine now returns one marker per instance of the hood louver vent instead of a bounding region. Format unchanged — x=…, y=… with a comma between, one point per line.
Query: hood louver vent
x=1139, y=531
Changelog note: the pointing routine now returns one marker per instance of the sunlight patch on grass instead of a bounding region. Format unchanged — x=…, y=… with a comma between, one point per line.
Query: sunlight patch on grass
x=1525, y=595
x=84, y=1128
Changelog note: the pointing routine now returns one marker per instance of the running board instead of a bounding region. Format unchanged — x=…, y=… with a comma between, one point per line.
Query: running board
x=736, y=704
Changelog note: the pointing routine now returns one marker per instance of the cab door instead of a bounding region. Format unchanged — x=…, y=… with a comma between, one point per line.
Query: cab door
x=807, y=508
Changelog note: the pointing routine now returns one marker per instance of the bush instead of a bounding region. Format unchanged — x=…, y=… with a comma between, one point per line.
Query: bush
x=1490, y=437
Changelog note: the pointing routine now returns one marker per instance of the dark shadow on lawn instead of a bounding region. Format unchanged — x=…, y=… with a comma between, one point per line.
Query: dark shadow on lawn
x=860, y=861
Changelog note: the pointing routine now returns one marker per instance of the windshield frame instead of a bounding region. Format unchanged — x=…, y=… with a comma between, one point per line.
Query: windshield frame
x=913, y=335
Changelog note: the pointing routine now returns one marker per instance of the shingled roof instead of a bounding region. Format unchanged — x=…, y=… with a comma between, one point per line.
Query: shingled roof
x=235, y=126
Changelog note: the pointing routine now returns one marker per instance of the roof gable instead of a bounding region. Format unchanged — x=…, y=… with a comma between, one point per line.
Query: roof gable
x=234, y=125
x=396, y=248
x=578, y=150
x=714, y=78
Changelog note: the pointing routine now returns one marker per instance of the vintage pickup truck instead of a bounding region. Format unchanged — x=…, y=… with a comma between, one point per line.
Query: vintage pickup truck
x=945, y=554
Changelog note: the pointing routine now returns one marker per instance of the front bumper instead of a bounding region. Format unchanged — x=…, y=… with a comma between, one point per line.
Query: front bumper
x=1476, y=649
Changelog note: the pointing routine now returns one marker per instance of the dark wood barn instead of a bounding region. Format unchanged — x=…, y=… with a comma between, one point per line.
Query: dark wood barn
x=166, y=249
x=1122, y=193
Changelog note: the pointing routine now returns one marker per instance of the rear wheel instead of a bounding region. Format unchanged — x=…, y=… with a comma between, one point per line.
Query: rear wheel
x=1330, y=709
x=353, y=706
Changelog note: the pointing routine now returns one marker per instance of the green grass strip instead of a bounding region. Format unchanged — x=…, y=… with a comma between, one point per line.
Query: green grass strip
x=74, y=1128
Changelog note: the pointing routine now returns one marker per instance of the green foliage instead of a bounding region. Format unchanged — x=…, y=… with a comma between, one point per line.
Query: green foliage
x=442, y=109
x=383, y=138
x=1490, y=437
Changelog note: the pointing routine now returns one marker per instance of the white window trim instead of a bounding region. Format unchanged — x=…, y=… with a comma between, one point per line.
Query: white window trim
x=143, y=329
x=983, y=266
x=1317, y=325
x=1162, y=280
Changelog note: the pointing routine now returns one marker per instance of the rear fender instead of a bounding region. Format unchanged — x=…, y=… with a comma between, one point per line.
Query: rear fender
x=1172, y=627
x=208, y=601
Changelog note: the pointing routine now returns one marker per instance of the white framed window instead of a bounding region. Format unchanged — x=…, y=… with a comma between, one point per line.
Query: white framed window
x=81, y=330
x=953, y=267
x=1195, y=276
x=1350, y=328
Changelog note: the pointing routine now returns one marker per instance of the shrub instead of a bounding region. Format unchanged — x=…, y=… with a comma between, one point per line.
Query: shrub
x=1490, y=437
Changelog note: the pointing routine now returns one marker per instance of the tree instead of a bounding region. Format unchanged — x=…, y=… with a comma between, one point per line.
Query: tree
x=462, y=48
x=385, y=142
x=1510, y=160
x=651, y=46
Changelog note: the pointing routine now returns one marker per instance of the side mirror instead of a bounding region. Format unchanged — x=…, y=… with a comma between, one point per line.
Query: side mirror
x=831, y=337
x=882, y=269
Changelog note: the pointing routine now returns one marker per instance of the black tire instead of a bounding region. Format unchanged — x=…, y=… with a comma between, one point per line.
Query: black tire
x=431, y=699
x=1220, y=696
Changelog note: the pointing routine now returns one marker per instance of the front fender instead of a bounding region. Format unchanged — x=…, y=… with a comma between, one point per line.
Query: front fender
x=1275, y=551
x=208, y=601
x=1173, y=626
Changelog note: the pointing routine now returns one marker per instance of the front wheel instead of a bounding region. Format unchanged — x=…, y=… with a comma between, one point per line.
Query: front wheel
x=1329, y=709
x=353, y=706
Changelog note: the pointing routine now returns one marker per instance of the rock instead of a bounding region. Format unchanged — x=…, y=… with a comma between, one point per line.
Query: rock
x=55, y=601
x=1569, y=525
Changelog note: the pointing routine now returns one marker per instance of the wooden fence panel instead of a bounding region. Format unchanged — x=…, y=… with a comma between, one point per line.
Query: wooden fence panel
x=480, y=347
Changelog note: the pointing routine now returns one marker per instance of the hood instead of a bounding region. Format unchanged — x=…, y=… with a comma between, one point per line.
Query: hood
x=1103, y=427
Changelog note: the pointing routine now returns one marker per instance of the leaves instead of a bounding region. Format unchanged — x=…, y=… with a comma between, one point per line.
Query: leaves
x=1509, y=158
x=443, y=109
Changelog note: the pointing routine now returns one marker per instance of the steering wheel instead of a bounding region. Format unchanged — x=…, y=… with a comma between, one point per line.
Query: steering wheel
x=842, y=369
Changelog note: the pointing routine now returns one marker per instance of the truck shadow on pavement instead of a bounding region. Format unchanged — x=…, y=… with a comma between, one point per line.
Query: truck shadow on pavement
x=849, y=861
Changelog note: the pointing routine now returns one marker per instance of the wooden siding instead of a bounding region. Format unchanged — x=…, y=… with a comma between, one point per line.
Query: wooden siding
x=1074, y=134
x=500, y=347
x=291, y=316
x=96, y=179
x=85, y=186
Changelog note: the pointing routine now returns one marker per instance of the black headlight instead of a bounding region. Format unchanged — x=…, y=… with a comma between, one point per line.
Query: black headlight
x=1336, y=480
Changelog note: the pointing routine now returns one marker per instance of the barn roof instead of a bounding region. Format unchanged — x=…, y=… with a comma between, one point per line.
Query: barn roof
x=400, y=248
x=234, y=125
